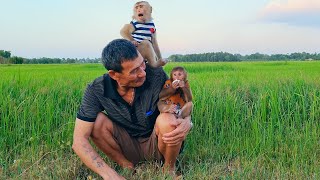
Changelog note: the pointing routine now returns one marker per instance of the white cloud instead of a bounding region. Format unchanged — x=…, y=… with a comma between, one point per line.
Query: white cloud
x=293, y=12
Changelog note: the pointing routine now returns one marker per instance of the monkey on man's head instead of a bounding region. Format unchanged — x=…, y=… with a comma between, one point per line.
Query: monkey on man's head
x=142, y=33
x=142, y=11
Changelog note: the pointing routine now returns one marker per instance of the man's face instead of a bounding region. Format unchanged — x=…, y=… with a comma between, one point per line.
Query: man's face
x=133, y=73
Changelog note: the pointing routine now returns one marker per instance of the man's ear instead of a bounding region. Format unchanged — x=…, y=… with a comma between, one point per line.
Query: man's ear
x=113, y=74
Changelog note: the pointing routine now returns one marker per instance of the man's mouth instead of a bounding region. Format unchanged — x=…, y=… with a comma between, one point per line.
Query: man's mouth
x=141, y=80
x=140, y=15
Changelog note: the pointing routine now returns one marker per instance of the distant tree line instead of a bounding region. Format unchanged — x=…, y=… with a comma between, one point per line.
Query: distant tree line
x=6, y=58
x=227, y=57
x=45, y=60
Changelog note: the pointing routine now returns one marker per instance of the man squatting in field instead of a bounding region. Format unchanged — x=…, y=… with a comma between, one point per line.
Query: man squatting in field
x=119, y=113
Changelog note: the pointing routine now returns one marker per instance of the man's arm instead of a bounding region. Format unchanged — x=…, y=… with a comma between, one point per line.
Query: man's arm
x=87, y=154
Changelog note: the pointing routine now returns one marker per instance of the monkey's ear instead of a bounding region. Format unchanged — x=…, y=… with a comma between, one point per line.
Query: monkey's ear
x=150, y=9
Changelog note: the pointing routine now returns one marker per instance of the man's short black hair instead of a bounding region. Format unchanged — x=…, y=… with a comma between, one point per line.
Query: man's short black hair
x=117, y=52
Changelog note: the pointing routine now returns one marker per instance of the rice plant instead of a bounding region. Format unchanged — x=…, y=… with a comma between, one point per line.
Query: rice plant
x=251, y=120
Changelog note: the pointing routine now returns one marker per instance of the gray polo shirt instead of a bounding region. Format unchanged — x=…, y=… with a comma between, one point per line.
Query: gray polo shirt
x=138, y=119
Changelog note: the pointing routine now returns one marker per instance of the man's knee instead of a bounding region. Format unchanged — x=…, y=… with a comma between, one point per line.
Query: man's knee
x=164, y=123
x=102, y=126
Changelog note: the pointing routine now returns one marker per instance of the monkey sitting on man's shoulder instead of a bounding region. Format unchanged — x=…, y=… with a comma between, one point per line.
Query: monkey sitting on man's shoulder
x=142, y=33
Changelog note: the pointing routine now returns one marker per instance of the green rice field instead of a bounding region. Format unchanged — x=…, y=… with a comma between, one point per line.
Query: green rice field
x=252, y=120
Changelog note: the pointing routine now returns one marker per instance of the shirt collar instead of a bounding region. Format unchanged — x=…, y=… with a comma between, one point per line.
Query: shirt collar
x=110, y=88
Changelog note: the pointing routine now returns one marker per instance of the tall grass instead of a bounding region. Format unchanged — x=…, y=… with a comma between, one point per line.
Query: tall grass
x=252, y=120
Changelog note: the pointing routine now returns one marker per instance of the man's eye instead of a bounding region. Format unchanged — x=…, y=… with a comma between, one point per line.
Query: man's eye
x=134, y=71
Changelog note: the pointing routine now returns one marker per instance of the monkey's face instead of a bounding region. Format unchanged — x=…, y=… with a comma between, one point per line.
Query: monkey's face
x=178, y=75
x=142, y=12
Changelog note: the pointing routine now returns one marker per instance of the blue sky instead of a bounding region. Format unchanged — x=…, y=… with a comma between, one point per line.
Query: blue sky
x=81, y=28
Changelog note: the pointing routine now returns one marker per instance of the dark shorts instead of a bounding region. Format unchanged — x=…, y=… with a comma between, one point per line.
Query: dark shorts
x=137, y=149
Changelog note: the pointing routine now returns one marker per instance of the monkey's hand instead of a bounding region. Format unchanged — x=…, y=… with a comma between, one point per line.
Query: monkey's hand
x=175, y=84
x=136, y=43
x=182, y=84
x=166, y=108
x=172, y=109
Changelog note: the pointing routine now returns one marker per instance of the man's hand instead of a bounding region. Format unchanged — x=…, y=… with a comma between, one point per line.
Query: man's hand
x=178, y=135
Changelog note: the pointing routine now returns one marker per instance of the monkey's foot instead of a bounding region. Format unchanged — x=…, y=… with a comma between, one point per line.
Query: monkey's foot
x=163, y=61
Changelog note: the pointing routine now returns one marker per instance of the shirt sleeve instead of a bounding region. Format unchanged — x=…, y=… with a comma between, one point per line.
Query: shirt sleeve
x=90, y=106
